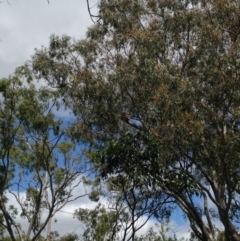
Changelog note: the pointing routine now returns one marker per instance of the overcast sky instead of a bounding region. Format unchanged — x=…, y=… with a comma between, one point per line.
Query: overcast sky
x=27, y=24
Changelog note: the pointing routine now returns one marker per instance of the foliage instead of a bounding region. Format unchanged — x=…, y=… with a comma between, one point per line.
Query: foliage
x=102, y=224
x=69, y=237
x=155, y=90
x=162, y=235
x=99, y=224
x=39, y=166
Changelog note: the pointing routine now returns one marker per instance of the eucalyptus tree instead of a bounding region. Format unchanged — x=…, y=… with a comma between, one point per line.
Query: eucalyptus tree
x=103, y=224
x=155, y=90
x=39, y=166
x=69, y=237
x=126, y=212
x=98, y=223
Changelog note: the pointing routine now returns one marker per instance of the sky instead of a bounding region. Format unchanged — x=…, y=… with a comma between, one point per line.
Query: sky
x=26, y=25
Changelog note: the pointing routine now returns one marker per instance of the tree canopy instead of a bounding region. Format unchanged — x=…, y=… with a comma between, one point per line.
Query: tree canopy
x=155, y=90
x=39, y=166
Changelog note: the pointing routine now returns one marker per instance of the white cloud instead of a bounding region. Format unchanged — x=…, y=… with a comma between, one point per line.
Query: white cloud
x=27, y=24
x=65, y=223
